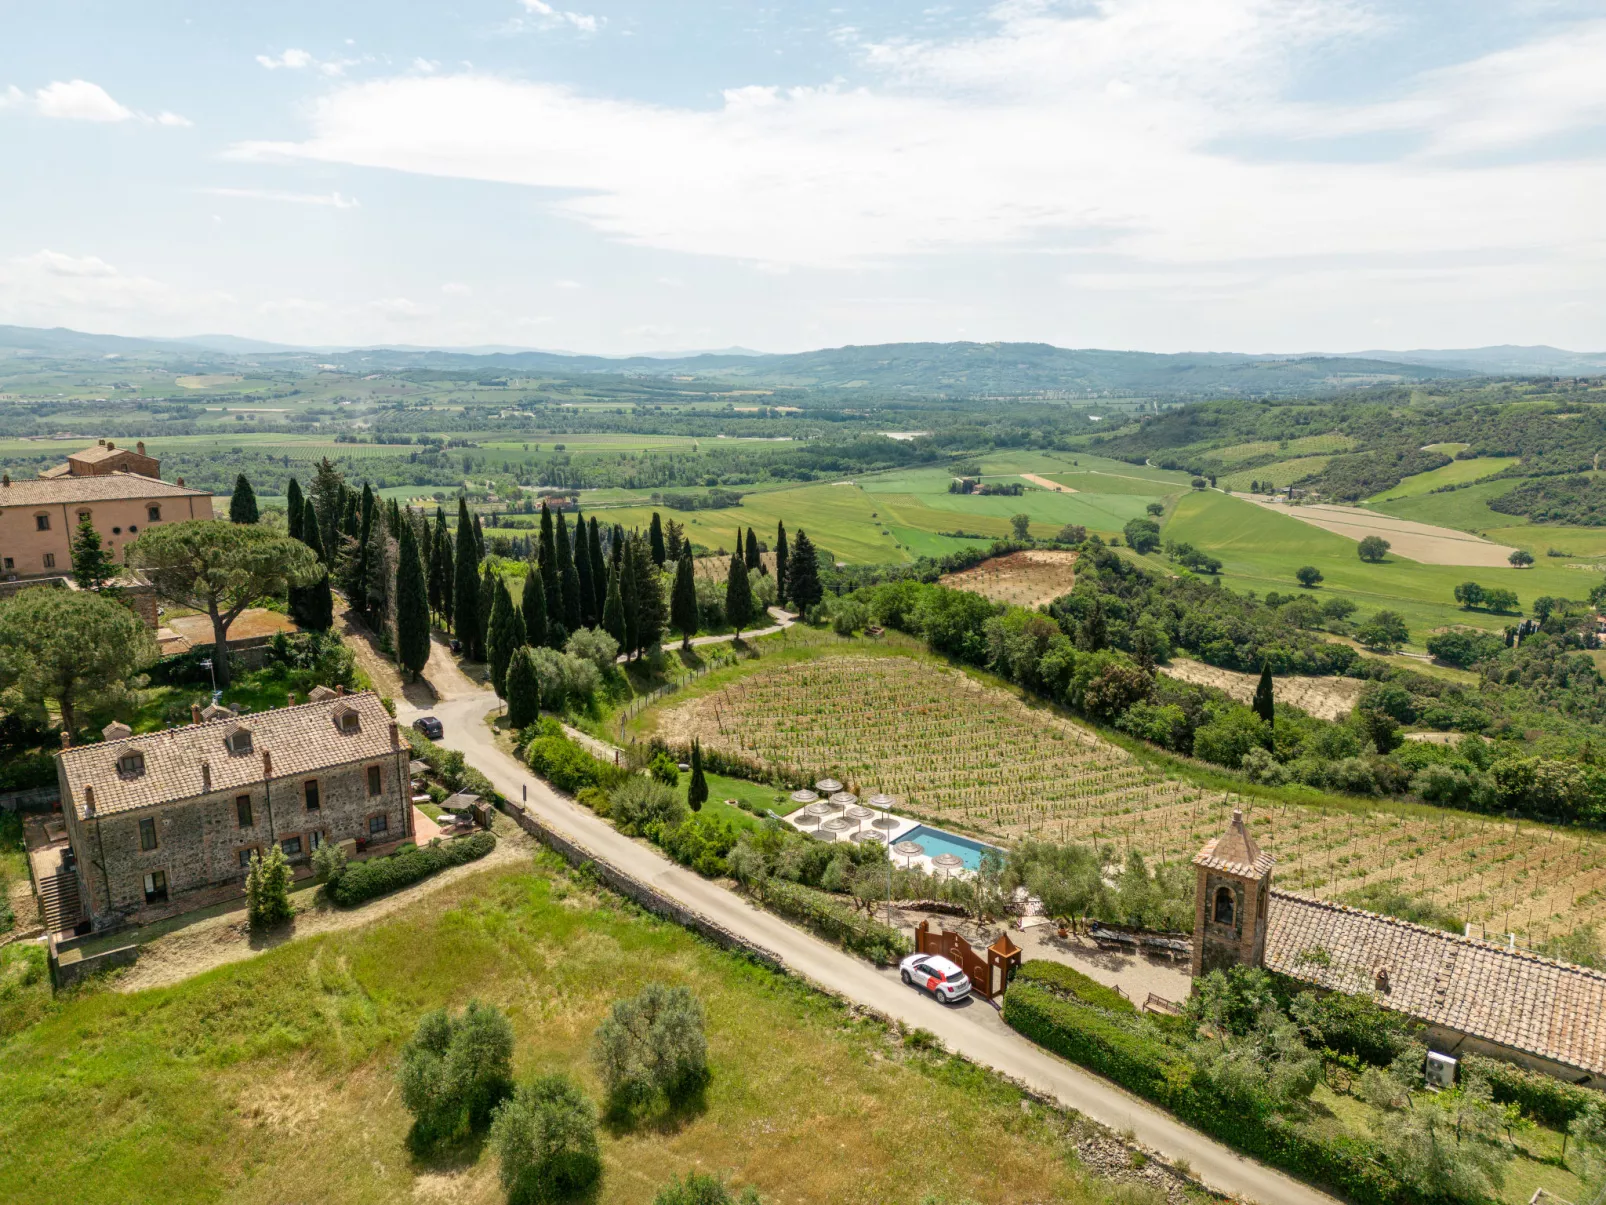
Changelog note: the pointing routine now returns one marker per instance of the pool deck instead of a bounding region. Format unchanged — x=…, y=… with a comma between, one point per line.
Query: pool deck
x=799, y=820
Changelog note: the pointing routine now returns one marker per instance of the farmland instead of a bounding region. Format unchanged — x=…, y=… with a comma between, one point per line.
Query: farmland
x=959, y=752
x=1024, y=579
x=1329, y=698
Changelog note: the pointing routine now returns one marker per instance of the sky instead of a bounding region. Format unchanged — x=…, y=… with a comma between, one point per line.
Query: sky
x=627, y=176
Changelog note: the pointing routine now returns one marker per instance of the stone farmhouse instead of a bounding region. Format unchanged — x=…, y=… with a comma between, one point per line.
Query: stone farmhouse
x=120, y=491
x=153, y=817
x=1473, y=996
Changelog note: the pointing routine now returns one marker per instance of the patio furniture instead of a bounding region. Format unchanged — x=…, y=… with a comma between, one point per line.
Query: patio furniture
x=837, y=824
x=910, y=850
x=878, y=800
x=804, y=797
x=844, y=799
x=827, y=785
x=820, y=808
x=805, y=817
x=870, y=836
x=947, y=863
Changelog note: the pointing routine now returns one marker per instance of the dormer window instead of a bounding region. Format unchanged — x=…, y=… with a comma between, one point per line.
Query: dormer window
x=131, y=764
x=239, y=741
x=349, y=721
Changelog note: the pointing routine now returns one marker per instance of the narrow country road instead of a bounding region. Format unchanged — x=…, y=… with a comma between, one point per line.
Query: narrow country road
x=782, y=620
x=973, y=1029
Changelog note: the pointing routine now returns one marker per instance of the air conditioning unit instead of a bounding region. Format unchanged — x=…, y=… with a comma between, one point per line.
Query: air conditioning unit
x=1440, y=1070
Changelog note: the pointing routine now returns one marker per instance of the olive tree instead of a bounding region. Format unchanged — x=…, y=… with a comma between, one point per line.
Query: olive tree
x=74, y=649
x=221, y=568
x=652, y=1043
x=455, y=1071
x=545, y=1137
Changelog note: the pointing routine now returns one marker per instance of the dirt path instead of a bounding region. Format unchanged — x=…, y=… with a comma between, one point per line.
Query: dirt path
x=219, y=940
x=360, y=638
x=1415, y=541
x=1052, y=486
x=444, y=675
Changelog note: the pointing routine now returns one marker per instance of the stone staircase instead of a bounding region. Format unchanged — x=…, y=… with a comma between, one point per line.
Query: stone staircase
x=58, y=900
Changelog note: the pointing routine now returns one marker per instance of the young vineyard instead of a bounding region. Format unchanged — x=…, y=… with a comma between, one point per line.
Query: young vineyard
x=955, y=751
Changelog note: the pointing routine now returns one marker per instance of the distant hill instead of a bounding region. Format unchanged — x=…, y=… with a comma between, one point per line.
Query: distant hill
x=934, y=369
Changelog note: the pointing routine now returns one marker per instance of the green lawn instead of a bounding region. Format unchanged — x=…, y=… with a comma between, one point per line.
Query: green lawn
x=271, y=1080
x=1260, y=549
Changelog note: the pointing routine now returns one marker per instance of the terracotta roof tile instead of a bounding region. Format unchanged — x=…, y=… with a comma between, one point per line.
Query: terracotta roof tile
x=1235, y=851
x=301, y=740
x=1510, y=997
x=113, y=486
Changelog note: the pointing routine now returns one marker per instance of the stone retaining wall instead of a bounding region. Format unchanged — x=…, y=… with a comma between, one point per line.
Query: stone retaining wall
x=34, y=799
x=71, y=971
x=649, y=898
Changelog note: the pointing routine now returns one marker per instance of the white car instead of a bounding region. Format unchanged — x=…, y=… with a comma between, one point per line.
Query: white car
x=938, y=975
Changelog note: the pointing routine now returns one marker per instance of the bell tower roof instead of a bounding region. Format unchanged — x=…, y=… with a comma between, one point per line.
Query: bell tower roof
x=1235, y=852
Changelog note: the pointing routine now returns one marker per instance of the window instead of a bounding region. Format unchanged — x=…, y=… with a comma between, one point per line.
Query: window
x=50, y=560
x=245, y=857
x=1225, y=903
x=240, y=741
x=155, y=886
x=83, y=516
x=349, y=721
x=117, y=531
x=378, y=824
x=41, y=522
x=147, y=834
x=132, y=529
x=291, y=846
x=242, y=809
x=311, y=786
x=375, y=780
x=11, y=563
x=131, y=763
x=153, y=513
x=319, y=838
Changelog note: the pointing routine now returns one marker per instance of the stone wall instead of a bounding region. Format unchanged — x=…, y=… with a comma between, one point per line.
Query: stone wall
x=199, y=840
x=633, y=889
x=67, y=969
x=34, y=799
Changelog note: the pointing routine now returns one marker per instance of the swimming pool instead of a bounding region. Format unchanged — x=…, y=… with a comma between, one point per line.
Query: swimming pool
x=934, y=841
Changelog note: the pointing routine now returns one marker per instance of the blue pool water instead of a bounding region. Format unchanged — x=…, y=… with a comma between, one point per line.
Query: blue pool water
x=934, y=841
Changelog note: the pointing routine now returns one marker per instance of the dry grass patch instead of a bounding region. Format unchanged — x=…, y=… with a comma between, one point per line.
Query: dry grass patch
x=1327, y=697
x=1026, y=579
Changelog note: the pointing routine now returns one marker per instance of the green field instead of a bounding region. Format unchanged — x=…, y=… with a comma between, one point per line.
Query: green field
x=1306, y=446
x=1282, y=473
x=1454, y=473
x=1260, y=549
x=272, y=1080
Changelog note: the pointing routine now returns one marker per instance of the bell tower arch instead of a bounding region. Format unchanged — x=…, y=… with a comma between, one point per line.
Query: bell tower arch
x=1232, y=890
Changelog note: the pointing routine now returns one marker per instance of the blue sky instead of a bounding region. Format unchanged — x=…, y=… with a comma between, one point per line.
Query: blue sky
x=1256, y=175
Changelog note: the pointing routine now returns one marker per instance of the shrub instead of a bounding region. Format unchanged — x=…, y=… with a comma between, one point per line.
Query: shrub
x=267, y=890
x=455, y=1071
x=640, y=802
x=594, y=798
x=1546, y=1099
x=701, y=842
x=565, y=679
x=830, y=918
x=700, y=1189
x=665, y=769
x=651, y=1044
x=596, y=646
x=1068, y=981
x=545, y=1136
x=328, y=862
x=379, y=876
x=568, y=767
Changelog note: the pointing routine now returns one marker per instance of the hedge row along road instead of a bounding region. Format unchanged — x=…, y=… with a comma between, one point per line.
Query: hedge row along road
x=973, y=1029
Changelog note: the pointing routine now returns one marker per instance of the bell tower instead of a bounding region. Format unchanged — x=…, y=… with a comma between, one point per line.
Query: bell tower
x=1232, y=891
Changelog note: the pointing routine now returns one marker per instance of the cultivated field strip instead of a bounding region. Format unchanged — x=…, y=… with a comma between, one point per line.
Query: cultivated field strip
x=955, y=750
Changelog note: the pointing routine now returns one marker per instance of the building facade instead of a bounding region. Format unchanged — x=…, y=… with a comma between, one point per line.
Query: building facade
x=155, y=816
x=38, y=518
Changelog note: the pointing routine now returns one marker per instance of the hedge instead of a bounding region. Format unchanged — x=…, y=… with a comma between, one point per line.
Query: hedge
x=1146, y=1065
x=1544, y=1098
x=831, y=919
x=1068, y=981
x=450, y=768
x=379, y=876
x=570, y=768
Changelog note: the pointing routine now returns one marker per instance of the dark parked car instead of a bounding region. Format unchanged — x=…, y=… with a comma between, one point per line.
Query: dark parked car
x=429, y=726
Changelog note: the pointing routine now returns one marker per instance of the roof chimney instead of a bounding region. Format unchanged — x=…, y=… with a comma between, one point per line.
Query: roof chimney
x=292, y=701
x=195, y=713
x=206, y=776
x=340, y=690
x=66, y=739
x=140, y=447
x=110, y=446
x=395, y=735
x=267, y=764
x=181, y=483
x=5, y=480
x=89, y=801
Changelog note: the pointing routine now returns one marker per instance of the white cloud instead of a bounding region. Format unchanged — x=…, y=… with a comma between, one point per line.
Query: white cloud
x=427, y=66
x=58, y=264
x=1095, y=132
x=48, y=287
x=78, y=100
x=333, y=200
x=165, y=118
x=584, y=22
x=295, y=59
x=453, y=288
x=566, y=284
x=402, y=309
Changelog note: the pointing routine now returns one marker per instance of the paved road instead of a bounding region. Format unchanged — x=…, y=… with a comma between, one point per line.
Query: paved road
x=973, y=1029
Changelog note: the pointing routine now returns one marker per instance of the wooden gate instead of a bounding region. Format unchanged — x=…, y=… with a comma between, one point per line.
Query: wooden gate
x=988, y=971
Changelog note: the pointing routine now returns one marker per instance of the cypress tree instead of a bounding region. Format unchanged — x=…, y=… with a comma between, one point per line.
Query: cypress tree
x=599, y=573
x=379, y=588
x=697, y=789
x=651, y=614
x=487, y=601
x=738, y=595
x=568, y=578
x=781, y=558
x=327, y=497
x=293, y=507
x=630, y=574
x=674, y=537
x=445, y=568
x=533, y=605
x=350, y=518
x=546, y=558
x=506, y=636
x=803, y=574
x=683, y=606
x=479, y=536
x=243, y=502
x=466, y=586
x=582, y=573
x=1264, y=704
x=613, y=610
x=412, y=605
x=357, y=582
x=523, y=688
x=755, y=559
x=617, y=546
x=655, y=536
x=317, y=604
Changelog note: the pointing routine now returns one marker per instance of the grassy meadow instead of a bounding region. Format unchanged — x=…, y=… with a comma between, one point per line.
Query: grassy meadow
x=271, y=1080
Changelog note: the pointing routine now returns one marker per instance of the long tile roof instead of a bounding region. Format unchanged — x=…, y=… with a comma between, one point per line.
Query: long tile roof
x=300, y=740
x=1511, y=997
x=111, y=487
